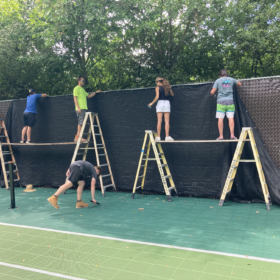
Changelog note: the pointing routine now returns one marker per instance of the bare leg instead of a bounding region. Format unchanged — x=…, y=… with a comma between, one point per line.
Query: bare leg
x=23, y=132
x=231, y=126
x=221, y=127
x=167, y=126
x=63, y=188
x=79, y=130
x=80, y=189
x=159, y=121
x=29, y=133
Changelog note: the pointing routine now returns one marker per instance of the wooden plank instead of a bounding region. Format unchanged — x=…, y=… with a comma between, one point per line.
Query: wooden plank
x=200, y=141
x=39, y=144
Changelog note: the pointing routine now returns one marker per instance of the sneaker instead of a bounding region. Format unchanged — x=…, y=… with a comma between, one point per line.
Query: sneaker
x=157, y=138
x=82, y=140
x=169, y=138
x=81, y=204
x=28, y=142
x=21, y=142
x=53, y=201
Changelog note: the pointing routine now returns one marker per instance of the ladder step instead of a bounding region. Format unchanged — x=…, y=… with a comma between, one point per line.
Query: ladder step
x=80, y=154
x=15, y=180
x=167, y=176
x=99, y=144
x=164, y=165
x=86, y=133
x=247, y=160
x=13, y=171
x=86, y=148
x=98, y=134
x=96, y=125
x=160, y=154
x=142, y=165
x=103, y=164
x=102, y=155
x=140, y=176
x=108, y=186
x=107, y=175
x=8, y=162
x=138, y=187
x=6, y=154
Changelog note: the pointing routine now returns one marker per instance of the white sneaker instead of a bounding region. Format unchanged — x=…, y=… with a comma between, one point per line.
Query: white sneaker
x=169, y=138
x=157, y=138
x=27, y=142
x=21, y=142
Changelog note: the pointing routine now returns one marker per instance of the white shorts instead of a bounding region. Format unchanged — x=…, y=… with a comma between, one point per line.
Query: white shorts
x=163, y=106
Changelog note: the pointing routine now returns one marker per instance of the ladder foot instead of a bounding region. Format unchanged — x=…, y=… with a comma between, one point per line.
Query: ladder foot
x=221, y=202
x=169, y=198
x=103, y=194
x=268, y=206
x=132, y=196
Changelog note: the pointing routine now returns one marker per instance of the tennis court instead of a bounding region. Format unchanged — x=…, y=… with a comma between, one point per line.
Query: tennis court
x=190, y=238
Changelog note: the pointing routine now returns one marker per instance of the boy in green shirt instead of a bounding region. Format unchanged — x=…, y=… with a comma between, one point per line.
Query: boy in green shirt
x=80, y=100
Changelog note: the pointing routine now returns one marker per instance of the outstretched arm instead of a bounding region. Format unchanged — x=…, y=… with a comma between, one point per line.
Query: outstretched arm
x=93, y=94
x=44, y=95
x=239, y=84
x=212, y=92
x=156, y=98
x=92, y=188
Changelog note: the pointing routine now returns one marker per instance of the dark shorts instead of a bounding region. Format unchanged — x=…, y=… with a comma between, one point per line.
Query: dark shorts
x=76, y=175
x=81, y=116
x=29, y=119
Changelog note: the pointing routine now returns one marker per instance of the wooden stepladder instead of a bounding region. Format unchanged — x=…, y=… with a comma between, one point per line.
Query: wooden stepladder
x=7, y=157
x=161, y=162
x=235, y=162
x=102, y=158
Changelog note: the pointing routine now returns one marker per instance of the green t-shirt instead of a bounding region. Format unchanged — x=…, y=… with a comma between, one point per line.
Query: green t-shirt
x=81, y=97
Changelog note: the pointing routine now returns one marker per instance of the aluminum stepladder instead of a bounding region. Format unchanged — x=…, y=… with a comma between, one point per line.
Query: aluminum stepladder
x=235, y=162
x=101, y=159
x=161, y=162
x=5, y=155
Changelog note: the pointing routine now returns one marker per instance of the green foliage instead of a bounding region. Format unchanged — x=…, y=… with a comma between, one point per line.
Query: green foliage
x=46, y=44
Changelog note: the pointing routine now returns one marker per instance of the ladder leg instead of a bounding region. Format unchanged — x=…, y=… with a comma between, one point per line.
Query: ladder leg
x=106, y=154
x=165, y=186
x=233, y=167
x=260, y=170
x=146, y=165
x=3, y=167
x=139, y=166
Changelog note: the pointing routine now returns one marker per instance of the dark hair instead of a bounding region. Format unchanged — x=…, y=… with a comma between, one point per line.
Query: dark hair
x=100, y=170
x=165, y=84
x=31, y=91
x=80, y=77
x=223, y=73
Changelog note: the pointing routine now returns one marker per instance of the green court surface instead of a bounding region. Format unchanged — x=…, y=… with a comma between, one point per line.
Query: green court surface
x=69, y=241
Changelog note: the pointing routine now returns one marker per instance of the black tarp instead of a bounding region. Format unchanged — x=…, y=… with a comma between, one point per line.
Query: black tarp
x=197, y=168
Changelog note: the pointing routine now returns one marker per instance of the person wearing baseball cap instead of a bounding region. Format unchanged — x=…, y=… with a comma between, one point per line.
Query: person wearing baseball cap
x=29, y=115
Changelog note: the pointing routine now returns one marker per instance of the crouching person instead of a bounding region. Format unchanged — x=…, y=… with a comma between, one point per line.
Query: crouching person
x=78, y=172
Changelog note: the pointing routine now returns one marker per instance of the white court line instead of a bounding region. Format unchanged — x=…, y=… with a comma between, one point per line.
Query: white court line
x=149, y=243
x=41, y=271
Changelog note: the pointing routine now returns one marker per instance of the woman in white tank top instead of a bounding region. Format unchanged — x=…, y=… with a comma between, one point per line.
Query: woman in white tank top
x=163, y=92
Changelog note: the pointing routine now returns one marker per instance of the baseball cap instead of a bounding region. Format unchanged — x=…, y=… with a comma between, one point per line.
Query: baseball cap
x=32, y=90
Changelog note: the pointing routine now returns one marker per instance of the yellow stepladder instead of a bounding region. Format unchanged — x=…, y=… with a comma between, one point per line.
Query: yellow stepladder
x=246, y=131
x=161, y=162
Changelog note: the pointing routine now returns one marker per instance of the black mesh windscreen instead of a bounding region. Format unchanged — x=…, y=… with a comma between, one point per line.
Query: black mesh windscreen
x=197, y=168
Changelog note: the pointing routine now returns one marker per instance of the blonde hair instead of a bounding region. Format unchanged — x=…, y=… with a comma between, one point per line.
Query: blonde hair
x=165, y=84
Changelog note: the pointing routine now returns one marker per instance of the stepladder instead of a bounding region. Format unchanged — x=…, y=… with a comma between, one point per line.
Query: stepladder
x=91, y=130
x=246, y=131
x=7, y=155
x=164, y=171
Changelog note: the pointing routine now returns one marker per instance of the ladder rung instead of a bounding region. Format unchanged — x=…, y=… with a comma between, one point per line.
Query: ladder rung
x=167, y=176
x=102, y=155
x=142, y=165
x=98, y=134
x=160, y=154
x=164, y=165
x=138, y=187
x=140, y=176
x=80, y=154
x=106, y=175
x=247, y=160
x=108, y=186
x=15, y=180
x=6, y=154
x=8, y=162
x=99, y=144
x=86, y=148
x=87, y=133
x=13, y=171
x=96, y=125
x=104, y=164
